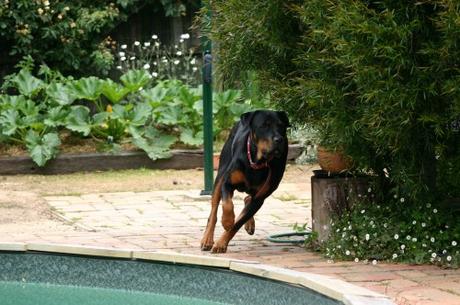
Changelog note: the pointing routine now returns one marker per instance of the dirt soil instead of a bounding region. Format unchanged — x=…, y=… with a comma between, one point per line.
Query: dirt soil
x=21, y=196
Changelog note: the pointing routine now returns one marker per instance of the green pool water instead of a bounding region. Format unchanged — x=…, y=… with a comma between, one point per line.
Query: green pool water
x=48, y=279
x=19, y=293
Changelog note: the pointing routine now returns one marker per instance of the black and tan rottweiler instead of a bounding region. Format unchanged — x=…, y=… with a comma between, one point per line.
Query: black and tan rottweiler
x=252, y=160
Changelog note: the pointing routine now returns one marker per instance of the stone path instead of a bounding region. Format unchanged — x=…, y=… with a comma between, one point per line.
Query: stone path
x=175, y=221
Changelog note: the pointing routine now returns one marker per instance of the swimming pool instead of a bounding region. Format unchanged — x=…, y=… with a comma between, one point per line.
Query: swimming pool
x=43, y=278
x=40, y=274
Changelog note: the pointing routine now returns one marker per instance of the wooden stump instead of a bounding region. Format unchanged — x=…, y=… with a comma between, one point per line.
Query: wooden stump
x=330, y=197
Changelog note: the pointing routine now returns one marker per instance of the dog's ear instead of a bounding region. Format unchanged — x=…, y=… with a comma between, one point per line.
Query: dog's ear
x=246, y=118
x=284, y=118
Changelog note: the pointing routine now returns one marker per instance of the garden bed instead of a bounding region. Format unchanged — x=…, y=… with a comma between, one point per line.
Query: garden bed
x=70, y=163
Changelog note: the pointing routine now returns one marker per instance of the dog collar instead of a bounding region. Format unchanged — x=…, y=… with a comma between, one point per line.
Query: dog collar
x=253, y=164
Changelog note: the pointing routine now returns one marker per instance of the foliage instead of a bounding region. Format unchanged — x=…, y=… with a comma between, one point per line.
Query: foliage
x=152, y=116
x=69, y=34
x=162, y=62
x=398, y=231
x=378, y=79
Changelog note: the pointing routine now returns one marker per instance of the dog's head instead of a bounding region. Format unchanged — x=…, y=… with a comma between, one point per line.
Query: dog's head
x=268, y=131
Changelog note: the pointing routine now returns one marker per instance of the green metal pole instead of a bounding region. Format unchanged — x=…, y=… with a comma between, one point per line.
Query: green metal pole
x=207, y=113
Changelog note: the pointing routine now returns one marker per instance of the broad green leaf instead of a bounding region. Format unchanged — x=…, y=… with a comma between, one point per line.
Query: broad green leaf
x=113, y=91
x=155, y=144
x=79, y=120
x=188, y=137
x=10, y=121
x=88, y=88
x=60, y=94
x=140, y=114
x=156, y=95
x=42, y=149
x=135, y=79
x=56, y=117
x=100, y=117
x=26, y=83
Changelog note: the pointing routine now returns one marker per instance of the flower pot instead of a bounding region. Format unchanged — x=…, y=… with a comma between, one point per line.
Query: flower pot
x=333, y=161
x=215, y=161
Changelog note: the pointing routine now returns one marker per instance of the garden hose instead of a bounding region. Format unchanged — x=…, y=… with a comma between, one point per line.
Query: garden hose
x=278, y=238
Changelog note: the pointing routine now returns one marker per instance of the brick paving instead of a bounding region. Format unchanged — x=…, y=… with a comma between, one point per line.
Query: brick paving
x=175, y=221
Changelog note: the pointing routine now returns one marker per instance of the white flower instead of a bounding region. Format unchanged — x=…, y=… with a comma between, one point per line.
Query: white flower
x=403, y=247
x=371, y=222
x=414, y=239
x=433, y=255
x=367, y=236
x=347, y=252
x=121, y=54
x=449, y=258
x=414, y=222
x=132, y=58
x=157, y=44
x=349, y=227
x=396, y=236
x=435, y=211
x=369, y=190
x=146, y=66
x=123, y=46
x=356, y=260
x=424, y=245
x=185, y=36
x=193, y=61
x=428, y=205
x=363, y=211
x=402, y=199
x=137, y=43
x=46, y=3
x=147, y=44
x=454, y=243
x=119, y=67
x=444, y=251
x=194, y=69
x=395, y=196
x=374, y=262
x=408, y=237
x=154, y=74
x=394, y=256
x=176, y=62
x=123, y=58
x=423, y=224
x=178, y=53
x=175, y=46
x=181, y=40
x=154, y=37
x=140, y=89
x=165, y=60
x=432, y=239
x=385, y=225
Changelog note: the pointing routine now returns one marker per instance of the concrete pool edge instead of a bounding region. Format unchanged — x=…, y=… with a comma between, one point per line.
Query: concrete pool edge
x=347, y=293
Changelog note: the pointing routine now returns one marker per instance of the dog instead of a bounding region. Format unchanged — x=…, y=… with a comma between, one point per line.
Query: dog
x=253, y=160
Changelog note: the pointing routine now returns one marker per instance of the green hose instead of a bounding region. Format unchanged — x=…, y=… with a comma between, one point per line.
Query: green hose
x=278, y=238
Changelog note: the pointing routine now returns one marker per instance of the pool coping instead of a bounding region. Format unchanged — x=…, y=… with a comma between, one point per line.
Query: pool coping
x=331, y=287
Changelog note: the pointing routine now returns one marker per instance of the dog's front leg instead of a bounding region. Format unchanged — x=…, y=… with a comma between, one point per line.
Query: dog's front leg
x=220, y=246
x=208, y=238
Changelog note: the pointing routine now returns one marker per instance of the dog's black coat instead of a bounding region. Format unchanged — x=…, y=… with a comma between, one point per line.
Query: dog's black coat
x=255, y=167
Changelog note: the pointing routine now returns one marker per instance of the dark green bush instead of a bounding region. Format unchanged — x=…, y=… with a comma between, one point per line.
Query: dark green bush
x=68, y=35
x=377, y=78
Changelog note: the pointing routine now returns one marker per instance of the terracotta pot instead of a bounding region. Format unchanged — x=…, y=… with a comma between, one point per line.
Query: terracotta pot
x=215, y=161
x=333, y=161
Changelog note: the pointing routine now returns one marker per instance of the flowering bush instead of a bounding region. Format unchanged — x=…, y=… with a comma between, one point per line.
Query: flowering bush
x=162, y=62
x=67, y=34
x=399, y=231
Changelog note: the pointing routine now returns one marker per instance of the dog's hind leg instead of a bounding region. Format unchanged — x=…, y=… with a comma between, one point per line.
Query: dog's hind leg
x=250, y=225
x=208, y=238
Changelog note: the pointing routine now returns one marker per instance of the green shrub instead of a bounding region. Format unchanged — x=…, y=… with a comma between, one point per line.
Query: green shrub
x=151, y=115
x=378, y=79
x=68, y=35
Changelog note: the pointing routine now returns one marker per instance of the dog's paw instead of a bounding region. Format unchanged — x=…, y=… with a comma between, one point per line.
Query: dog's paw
x=207, y=243
x=219, y=247
x=250, y=226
